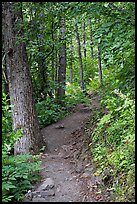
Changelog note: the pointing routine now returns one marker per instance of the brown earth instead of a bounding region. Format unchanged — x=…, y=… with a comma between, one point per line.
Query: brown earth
x=67, y=162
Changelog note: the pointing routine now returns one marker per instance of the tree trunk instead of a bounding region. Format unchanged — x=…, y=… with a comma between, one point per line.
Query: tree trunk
x=99, y=65
x=91, y=42
x=53, y=67
x=80, y=58
x=53, y=54
x=71, y=58
x=84, y=39
x=62, y=62
x=20, y=84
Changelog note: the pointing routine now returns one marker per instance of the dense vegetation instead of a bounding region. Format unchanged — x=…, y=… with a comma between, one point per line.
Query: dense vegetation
x=90, y=44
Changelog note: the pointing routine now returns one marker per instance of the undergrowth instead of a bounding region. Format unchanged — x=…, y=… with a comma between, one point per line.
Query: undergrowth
x=18, y=174
x=113, y=144
x=50, y=111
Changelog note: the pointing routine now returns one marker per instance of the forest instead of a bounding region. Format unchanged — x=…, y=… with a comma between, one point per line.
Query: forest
x=56, y=55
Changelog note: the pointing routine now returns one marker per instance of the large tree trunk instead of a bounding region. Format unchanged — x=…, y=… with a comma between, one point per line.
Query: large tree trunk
x=20, y=84
x=80, y=58
x=99, y=65
x=62, y=62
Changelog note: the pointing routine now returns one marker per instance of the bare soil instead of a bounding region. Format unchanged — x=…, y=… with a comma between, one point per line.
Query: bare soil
x=67, y=160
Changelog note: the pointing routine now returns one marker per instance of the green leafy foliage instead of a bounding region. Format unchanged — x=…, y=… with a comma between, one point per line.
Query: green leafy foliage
x=49, y=111
x=74, y=95
x=113, y=144
x=18, y=174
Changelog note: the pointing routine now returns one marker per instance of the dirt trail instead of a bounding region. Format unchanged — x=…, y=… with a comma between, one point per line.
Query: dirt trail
x=67, y=169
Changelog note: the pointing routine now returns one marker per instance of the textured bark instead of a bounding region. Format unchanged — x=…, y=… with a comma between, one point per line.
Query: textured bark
x=71, y=58
x=62, y=62
x=20, y=84
x=80, y=58
x=99, y=65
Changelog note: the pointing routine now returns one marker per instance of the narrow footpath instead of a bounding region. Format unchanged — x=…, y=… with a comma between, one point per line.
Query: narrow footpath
x=67, y=168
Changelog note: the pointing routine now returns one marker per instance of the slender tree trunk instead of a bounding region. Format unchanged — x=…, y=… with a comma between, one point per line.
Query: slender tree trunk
x=53, y=64
x=56, y=72
x=53, y=67
x=99, y=65
x=84, y=39
x=20, y=84
x=71, y=59
x=62, y=62
x=80, y=58
x=91, y=42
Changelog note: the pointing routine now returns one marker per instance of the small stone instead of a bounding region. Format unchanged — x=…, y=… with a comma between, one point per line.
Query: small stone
x=47, y=193
x=35, y=193
x=86, y=174
x=58, y=189
x=90, y=169
x=87, y=165
x=59, y=126
x=38, y=200
x=29, y=196
x=39, y=196
x=47, y=184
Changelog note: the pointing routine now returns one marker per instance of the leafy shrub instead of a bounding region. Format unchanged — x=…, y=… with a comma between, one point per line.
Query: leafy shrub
x=18, y=173
x=74, y=95
x=49, y=112
x=113, y=144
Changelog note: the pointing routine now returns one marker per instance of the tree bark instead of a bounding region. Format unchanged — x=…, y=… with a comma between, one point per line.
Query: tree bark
x=84, y=39
x=20, y=84
x=53, y=54
x=62, y=62
x=99, y=65
x=80, y=57
x=71, y=59
x=91, y=42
